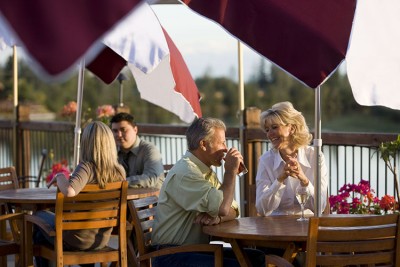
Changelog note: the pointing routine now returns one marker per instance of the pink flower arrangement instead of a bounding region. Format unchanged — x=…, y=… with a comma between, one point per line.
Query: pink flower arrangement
x=360, y=199
x=104, y=113
x=69, y=109
x=58, y=167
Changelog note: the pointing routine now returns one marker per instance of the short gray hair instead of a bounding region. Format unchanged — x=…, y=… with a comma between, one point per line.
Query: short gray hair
x=202, y=129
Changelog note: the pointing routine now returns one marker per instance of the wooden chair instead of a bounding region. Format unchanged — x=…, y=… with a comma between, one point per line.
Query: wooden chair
x=8, y=180
x=143, y=212
x=10, y=247
x=351, y=240
x=91, y=208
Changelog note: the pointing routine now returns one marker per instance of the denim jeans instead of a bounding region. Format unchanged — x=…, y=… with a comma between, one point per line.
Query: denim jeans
x=198, y=259
x=40, y=237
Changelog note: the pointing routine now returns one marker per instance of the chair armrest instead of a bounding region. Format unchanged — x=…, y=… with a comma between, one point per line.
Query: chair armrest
x=215, y=248
x=11, y=216
x=42, y=224
x=274, y=260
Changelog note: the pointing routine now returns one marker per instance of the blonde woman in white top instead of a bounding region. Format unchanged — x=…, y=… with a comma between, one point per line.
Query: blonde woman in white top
x=289, y=163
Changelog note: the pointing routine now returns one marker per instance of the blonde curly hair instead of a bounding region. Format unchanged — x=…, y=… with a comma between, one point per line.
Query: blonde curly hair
x=283, y=113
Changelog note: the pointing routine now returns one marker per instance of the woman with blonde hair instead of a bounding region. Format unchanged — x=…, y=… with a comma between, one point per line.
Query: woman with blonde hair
x=98, y=161
x=98, y=165
x=290, y=163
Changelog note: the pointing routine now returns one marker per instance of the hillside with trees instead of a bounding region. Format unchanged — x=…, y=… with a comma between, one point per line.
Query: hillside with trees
x=267, y=86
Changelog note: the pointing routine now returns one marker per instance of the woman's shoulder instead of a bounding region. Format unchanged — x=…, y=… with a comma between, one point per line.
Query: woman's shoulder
x=84, y=168
x=86, y=165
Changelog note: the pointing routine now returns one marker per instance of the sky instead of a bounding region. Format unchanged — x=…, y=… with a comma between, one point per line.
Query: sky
x=205, y=46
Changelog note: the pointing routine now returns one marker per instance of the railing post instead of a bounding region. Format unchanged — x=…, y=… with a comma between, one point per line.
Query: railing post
x=251, y=120
x=23, y=143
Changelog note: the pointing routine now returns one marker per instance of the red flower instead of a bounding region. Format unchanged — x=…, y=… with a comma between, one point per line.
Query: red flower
x=387, y=203
x=59, y=167
x=359, y=198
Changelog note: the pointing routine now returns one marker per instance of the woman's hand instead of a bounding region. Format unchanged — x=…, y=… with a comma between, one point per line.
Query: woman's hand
x=293, y=169
x=62, y=183
x=53, y=181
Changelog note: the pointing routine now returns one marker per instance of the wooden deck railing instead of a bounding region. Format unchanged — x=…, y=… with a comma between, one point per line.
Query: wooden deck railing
x=349, y=156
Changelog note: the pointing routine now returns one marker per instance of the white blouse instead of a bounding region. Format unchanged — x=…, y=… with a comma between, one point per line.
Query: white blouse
x=275, y=198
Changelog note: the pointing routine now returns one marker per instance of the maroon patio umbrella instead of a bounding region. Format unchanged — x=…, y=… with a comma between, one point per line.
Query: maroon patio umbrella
x=56, y=34
x=306, y=38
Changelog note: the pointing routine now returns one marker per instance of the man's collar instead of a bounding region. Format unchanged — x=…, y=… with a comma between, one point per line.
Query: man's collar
x=203, y=167
x=134, y=149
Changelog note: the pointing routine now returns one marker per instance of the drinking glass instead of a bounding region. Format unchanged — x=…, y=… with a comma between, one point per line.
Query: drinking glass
x=242, y=169
x=302, y=195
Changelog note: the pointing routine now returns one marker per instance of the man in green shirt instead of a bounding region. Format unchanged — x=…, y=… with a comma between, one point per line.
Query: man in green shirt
x=191, y=196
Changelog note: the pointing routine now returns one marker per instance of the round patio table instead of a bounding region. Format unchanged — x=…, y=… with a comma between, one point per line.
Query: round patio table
x=270, y=231
x=45, y=195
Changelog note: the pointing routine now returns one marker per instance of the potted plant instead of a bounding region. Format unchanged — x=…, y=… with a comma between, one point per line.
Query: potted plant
x=359, y=199
x=388, y=152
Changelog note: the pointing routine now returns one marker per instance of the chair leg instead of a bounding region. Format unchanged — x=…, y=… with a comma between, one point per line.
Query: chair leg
x=290, y=252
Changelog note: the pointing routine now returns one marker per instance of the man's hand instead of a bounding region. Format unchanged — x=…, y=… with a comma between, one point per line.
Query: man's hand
x=205, y=219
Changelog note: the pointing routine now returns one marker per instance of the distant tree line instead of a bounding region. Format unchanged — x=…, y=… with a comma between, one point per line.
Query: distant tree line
x=267, y=86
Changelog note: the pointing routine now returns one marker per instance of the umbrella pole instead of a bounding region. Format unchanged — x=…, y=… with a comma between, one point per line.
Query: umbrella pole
x=15, y=109
x=317, y=147
x=243, y=184
x=77, y=140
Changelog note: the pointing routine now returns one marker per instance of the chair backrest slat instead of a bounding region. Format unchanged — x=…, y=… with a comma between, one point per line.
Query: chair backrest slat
x=358, y=233
x=89, y=224
x=89, y=196
x=339, y=260
x=143, y=211
x=145, y=202
x=90, y=215
x=338, y=247
x=8, y=178
x=353, y=240
x=90, y=205
x=142, y=214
